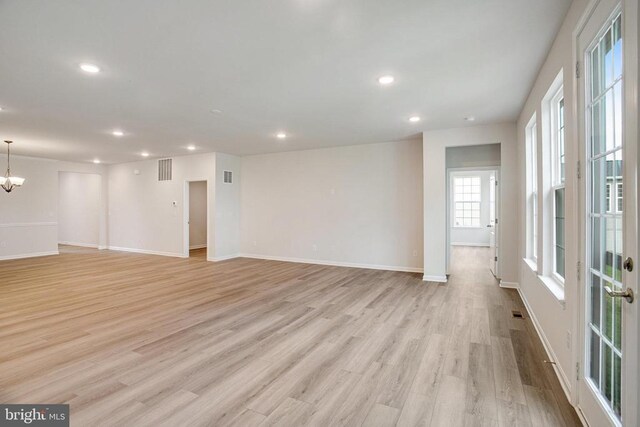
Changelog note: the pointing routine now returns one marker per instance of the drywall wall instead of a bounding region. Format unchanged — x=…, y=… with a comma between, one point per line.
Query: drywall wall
x=197, y=214
x=79, y=208
x=357, y=205
x=555, y=320
x=435, y=144
x=147, y=215
x=29, y=214
x=473, y=156
x=227, y=207
x=472, y=236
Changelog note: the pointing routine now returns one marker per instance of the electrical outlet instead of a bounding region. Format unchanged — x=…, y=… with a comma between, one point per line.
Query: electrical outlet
x=415, y=253
x=315, y=248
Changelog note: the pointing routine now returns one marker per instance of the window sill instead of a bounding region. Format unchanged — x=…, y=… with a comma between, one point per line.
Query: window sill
x=532, y=264
x=554, y=287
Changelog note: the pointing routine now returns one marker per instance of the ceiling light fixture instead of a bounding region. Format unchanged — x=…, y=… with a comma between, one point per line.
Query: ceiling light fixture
x=90, y=68
x=281, y=135
x=144, y=154
x=470, y=119
x=191, y=147
x=96, y=161
x=386, y=80
x=9, y=182
x=117, y=133
x=414, y=119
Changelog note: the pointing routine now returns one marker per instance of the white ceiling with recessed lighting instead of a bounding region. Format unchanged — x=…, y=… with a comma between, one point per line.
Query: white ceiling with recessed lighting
x=305, y=68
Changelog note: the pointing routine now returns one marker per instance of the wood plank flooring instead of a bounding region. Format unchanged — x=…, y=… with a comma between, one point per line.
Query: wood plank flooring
x=133, y=340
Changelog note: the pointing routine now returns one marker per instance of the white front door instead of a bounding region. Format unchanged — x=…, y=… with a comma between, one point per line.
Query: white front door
x=607, y=113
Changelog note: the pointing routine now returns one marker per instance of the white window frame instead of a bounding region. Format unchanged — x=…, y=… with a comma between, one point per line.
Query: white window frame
x=557, y=180
x=531, y=201
x=470, y=195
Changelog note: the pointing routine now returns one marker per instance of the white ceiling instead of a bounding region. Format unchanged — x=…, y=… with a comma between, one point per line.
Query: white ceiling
x=307, y=67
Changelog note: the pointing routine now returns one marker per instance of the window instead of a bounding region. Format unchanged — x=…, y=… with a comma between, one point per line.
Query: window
x=557, y=181
x=532, y=189
x=467, y=198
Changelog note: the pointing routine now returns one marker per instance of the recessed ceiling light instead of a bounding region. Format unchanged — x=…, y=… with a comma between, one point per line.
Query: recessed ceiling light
x=144, y=154
x=90, y=68
x=414, y=119
x=281, y=135
x=117, y=133
x=386, y=80
x=191, y=147
x=0, y=108
x=216, y=111
x=470, y=119
x=96, y=161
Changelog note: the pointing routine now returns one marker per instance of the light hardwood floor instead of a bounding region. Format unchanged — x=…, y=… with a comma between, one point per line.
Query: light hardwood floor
x=131, y=340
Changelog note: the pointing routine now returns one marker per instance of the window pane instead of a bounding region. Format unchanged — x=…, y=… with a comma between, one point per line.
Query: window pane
x=617, y=376
x=594, y=368
x=596, y=292
x=607, y=370
x=607, y=318
x=606, y=55
x=596, y=238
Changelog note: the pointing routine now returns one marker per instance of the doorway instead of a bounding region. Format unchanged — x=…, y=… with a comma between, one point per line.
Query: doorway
x=472, y=217
x=196, y=219
x=608, y=383
x=79, y=209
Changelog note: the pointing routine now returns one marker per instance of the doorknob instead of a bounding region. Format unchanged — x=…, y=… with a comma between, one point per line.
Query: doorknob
x=628, y=264
x=628, y=294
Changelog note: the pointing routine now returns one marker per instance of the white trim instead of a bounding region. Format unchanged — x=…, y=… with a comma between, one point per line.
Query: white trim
x=224, y=258
x=334, y=263
x=554, y=288
x=32, y=255
x=82, y=245
x=29, y=224
x=481, y=245
x=204, y=245
x=147, y=252
x=562, y=377
x=438, y=279
x=509, y=285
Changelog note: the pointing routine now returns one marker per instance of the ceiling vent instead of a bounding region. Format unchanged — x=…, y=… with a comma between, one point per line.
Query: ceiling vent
x=228, y=177
x=164, y=170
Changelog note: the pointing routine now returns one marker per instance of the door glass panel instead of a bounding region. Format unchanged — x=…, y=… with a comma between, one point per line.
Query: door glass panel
x=604, y=107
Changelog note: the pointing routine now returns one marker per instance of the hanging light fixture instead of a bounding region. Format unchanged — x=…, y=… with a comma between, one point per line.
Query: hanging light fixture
x=9, y=182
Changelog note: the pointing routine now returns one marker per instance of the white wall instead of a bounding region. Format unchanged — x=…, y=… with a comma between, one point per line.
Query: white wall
x=472, y=236
x=29, y=214
x=435, y=144
x=357, y=205
x=227, y=208
x=197, y=214
x=554, y=318
x=79, y=208
x=474, y=156
x=142, y=215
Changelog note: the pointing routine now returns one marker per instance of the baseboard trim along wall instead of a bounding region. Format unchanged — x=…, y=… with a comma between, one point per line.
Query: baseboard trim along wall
x=509, y=285
x=334, y=263
x=146, y=252
x=198, y=246
x=562, y=377
x=438, y=279
x=33, y=255
x=82, y=245
x=223, y=258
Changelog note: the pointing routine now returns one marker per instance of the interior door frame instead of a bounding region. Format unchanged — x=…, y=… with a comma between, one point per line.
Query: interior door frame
x=186, y=213
x=630, y=389
x=448, y=209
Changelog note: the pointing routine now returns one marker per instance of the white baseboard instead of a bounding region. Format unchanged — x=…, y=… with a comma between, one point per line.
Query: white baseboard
x=198, y=246
x=480, y=245
x=223, y=258
x=32, y=255
x=509, y=285
x=562, y=376
x=334, y=263
x=147, y=252
x=439, y=279
x=82, y=245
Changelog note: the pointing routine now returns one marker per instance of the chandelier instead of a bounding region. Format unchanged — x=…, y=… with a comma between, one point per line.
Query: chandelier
x=9, y=182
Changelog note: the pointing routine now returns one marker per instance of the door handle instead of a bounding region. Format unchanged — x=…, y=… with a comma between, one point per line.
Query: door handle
x=628, y=264
x=628, y=294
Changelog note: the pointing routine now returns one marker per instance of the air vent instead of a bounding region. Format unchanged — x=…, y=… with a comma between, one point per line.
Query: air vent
x=164, y=170
x=228, y=177
x=517, y=314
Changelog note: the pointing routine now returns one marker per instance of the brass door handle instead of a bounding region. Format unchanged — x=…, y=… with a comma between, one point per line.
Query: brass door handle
x=628, y=264
x=628, y=294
